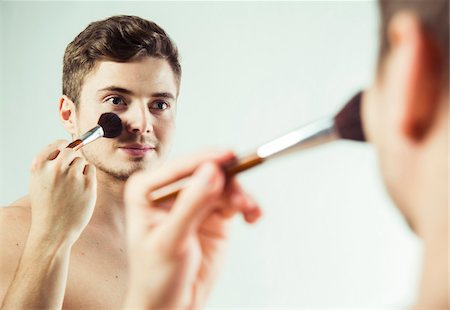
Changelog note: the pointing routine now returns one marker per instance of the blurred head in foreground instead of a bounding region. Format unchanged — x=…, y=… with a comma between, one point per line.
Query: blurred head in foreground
x=405, y=115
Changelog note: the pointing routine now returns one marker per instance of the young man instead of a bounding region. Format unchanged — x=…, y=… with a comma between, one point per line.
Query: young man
x=405, y=115
x=64, y=244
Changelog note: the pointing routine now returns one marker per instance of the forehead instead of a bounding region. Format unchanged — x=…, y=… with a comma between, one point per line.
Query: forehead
x=143, y=76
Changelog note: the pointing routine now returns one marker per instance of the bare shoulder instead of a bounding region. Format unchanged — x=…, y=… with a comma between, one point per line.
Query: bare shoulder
x=15, y=221
x=14, y=226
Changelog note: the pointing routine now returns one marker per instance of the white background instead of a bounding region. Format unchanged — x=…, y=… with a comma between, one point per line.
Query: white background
x=330, y=237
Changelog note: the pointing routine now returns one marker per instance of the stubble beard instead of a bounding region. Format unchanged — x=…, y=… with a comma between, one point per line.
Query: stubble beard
x=121, y=174
x=117, y=174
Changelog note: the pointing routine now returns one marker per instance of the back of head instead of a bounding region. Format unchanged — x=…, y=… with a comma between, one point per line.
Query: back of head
x=405, y=111
x=405, y=115
x=117, y=38
x=433, y=16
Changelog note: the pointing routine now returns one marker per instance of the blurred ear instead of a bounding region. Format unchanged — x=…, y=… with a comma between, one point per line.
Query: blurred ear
x=67, y=114
x=418, y=64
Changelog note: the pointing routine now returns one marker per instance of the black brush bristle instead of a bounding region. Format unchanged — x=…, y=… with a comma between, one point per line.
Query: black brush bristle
x=111, y=124
x=348, y=122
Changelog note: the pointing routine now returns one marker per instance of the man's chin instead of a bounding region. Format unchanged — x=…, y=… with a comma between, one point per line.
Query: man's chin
x=121, y=174
x=121, y=169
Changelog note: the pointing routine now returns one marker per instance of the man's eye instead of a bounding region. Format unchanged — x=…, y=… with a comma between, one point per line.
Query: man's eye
x=116, y=101
x=160, y=105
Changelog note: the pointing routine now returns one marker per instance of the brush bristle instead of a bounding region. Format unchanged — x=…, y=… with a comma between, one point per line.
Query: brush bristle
x=348, y=122
x=111, y=124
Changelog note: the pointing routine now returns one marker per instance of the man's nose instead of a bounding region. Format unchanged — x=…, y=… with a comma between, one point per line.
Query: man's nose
x=139, y=120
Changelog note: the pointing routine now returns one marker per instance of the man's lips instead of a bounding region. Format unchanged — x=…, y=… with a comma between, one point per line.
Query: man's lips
x=137, y=149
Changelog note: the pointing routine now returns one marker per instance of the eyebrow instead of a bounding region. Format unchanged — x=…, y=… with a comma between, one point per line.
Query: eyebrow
x=125, y=91
x=116, y=89
x=166, y=95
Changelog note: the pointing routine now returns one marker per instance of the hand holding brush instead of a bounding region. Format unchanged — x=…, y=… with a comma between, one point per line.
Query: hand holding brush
x=346, y=124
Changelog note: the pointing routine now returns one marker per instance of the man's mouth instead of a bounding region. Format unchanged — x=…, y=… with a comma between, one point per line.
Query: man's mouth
x=137, y=150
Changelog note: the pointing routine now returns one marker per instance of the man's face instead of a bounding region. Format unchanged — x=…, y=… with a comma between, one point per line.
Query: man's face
x=385, y=116
x=380, y=126
x=143, y=94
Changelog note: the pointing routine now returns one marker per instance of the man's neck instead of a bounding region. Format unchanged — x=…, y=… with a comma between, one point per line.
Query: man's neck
x=435, y=273
x=109, y=209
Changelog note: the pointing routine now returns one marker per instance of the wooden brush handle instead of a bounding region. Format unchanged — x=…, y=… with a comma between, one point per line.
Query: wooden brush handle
x=232, y=168
x=242, y=164
x=76, y=144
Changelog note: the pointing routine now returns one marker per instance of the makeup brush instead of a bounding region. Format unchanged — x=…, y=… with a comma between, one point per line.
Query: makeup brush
x=344, y=125
x=109, y=126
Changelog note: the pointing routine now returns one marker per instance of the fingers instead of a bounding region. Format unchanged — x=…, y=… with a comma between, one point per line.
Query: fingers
x=77, y=165
x=48, y=153
x=195, y=201
x=203, y=195
x=55, y=153
x=183, y=167
x=91, y=176
x=65, y=158
x=80, y=167
x=186, y=165
x=244, y=203
x=90, y=171
x=234, y=201
x=253, y=212
x=238, y=201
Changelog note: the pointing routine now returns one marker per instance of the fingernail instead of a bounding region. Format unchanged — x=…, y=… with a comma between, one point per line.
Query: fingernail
x=237, y=199
x=253, y=215
x=227, y=155
x=53, y=155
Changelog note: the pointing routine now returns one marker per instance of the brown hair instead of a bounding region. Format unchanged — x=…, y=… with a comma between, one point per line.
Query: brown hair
x=433, y=15
x=117, y=38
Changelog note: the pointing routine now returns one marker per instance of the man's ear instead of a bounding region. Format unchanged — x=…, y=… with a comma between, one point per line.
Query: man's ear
x=419, y=79
x=67, y=115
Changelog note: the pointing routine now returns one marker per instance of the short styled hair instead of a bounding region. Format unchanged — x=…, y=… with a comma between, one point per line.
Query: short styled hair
x=433, y=16
x=118, y=38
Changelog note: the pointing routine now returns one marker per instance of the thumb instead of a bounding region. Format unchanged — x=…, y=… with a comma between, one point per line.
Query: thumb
x=195, y=202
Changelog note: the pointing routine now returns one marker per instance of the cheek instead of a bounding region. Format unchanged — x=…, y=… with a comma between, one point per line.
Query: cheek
x=100, y=146
x=369, y=115
x=379, y=129
x=164, y=129
x=373, y=123
x=87, y=119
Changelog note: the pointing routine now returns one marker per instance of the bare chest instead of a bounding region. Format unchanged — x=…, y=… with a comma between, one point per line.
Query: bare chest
x=97, y=276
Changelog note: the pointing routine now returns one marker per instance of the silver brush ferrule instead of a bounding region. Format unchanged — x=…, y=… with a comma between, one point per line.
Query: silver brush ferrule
x=92, y=135
x=313, y=134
